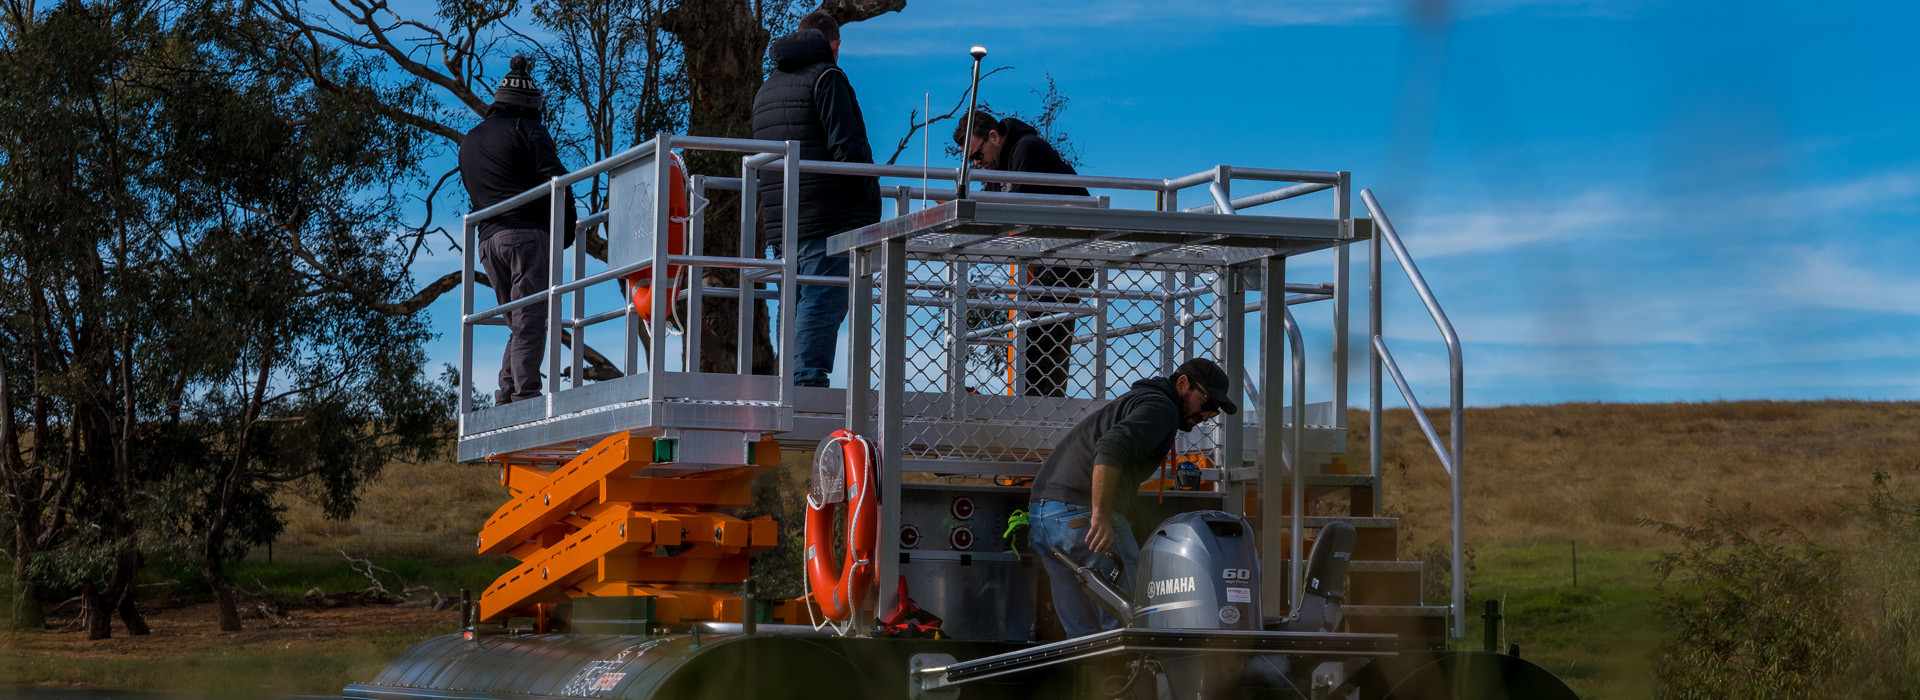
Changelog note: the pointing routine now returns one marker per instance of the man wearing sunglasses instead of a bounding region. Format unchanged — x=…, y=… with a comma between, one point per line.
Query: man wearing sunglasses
x=1079, y=492
x=1013, y=145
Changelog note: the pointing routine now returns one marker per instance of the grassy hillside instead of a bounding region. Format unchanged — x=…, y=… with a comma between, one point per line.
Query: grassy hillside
x=1547, y=475
x=1536, y=475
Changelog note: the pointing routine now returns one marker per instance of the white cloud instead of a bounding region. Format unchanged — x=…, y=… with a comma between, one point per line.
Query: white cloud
x=1822, y=278
x=1514, y=224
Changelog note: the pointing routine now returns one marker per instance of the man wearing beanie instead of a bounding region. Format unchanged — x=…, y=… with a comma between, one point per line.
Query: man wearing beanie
x=511, y=152
x=808, y=99
x=1103, y=460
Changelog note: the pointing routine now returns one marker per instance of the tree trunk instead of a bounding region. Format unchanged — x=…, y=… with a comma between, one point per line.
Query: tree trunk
x=127, y=569
x=222, y=592
x=25, y=613
x=723, y=41
x=95, y=611
x=229, y=489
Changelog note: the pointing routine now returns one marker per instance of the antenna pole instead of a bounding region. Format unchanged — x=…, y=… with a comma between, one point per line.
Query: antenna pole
x=973, y=98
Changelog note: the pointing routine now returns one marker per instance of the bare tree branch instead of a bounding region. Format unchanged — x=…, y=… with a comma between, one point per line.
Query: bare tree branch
x=915, y=126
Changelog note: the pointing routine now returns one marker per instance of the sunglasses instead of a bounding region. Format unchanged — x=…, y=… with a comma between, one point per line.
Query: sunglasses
x=978, y=155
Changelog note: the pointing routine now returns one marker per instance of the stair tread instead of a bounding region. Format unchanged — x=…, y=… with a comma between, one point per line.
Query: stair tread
x=1339, y=480
x=1374, y=566
x=1357, y=521
x=1395, y=610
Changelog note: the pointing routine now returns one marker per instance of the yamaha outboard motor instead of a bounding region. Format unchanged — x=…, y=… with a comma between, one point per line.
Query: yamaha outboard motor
x=1199, y=570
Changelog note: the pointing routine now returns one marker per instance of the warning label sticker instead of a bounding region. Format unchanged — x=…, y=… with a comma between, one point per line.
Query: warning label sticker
x=1239, y=595
x=608, y=680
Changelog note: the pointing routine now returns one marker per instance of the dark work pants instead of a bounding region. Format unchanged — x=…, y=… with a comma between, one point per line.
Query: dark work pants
x=1049, y=347
x=1049, y=357
x=516, y=263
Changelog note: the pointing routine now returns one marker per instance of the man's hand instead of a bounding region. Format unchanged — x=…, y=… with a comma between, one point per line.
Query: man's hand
x=1100, y=533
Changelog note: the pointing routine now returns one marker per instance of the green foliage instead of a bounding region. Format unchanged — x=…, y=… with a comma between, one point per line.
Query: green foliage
x=1759, y=610
x=201, y=283
x=1754, y=609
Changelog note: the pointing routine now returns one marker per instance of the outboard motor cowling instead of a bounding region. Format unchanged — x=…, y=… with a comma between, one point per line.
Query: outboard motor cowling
x=1199, y=570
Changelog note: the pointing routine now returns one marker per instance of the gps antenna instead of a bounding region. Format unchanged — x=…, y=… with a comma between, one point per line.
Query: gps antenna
x=973, y=98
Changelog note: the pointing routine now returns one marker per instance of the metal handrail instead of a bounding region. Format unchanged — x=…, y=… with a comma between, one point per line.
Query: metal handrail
x=1451, y=459
x=558, y=286
x=1297, y=460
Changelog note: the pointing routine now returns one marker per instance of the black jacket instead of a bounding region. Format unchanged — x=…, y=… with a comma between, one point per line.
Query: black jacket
x=808, y=99
x=1025, y=151
x=1133, y=433
x=508, y=153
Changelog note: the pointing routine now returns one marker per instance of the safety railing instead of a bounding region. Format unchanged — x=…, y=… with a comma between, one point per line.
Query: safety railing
x=574, y=324
x=1181, y=325
x=1379, y=357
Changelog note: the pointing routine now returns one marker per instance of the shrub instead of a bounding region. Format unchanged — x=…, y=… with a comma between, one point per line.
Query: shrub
x=1759, y=610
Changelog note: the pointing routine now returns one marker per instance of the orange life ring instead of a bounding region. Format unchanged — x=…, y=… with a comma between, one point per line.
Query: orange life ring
x=641, y=283
x=837, y=590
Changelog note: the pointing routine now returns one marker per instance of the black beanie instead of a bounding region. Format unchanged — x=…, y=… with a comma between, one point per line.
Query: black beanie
x=517, y=88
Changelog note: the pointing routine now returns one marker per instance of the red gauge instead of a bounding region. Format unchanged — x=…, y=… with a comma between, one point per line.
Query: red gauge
x=962, y=508
x=961, y=538
x=909, y=537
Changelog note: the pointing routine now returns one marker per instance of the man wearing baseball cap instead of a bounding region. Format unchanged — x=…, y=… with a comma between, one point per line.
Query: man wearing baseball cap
x=1103, y=459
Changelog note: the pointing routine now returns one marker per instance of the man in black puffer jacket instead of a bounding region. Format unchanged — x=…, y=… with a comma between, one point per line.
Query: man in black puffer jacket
x=508, y=153
x=1013, y=145
x=808, y=99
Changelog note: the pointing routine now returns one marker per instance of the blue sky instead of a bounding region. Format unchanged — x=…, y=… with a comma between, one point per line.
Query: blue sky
x=1616, y=201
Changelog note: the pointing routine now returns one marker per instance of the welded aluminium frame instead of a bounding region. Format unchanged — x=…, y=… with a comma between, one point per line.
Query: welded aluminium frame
x=763, y=404
x=1241, y=252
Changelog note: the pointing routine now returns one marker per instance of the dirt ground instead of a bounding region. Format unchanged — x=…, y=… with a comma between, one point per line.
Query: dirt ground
x=193, y=630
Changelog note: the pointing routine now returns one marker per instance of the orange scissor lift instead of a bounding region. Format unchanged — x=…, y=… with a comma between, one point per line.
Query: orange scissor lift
x=616, y=521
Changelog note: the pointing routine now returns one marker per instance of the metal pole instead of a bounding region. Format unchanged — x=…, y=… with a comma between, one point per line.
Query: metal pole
x=957, y=340
x=790, y=273
x=1169, y=320
x=467, y=245
x=1273, y=400
x=1373, y=370
x=973, y=98
x=860, y=342
x=657, y=327
x=696, y=301
x=1100, y=338
x=1022, y=276
x=1230, y=295
x=579, y=354
x=1296, y=456
x=749, y=248
x=1343, y=210
x=556, y=274
x=893, y=382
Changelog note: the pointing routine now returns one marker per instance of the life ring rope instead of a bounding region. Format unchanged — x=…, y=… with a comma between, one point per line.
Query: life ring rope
x=838, y=591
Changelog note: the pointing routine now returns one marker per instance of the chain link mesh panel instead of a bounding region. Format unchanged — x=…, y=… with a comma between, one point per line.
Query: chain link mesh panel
x=1004, y=355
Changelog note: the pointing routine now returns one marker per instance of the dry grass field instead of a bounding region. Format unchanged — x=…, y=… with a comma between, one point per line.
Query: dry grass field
x=1547, y=475
x=1536, y=475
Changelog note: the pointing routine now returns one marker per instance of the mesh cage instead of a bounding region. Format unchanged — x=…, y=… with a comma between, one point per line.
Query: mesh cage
x=1005, y=354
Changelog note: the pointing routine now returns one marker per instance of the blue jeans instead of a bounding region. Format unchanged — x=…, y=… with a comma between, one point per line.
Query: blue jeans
x=818, y=315
x=1051, y=524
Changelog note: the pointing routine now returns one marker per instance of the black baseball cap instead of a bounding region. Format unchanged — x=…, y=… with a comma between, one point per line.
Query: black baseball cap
x=1211, y=379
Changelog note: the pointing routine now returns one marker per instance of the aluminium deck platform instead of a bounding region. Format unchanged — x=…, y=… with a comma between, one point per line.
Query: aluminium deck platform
x=967, y=227
x=560, y=426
